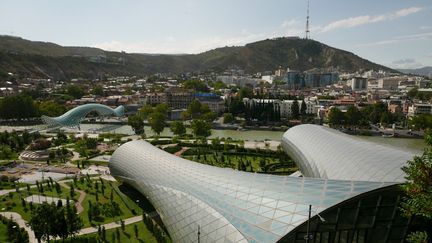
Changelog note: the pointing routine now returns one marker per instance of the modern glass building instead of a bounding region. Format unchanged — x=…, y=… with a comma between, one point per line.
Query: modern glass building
x=73, y=117
x=211, y=204
x=322, y=152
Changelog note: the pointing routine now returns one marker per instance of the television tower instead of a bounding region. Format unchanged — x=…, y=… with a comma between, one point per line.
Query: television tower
x=307, y=33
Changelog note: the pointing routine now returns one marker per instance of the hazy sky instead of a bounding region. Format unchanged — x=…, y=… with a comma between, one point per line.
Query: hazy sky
x=397, y=33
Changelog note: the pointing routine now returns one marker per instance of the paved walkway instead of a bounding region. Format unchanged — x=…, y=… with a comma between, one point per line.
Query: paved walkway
x=111, y=225
x=78, y=204
x=22, y=223
x=41, y=199
x=179, y=153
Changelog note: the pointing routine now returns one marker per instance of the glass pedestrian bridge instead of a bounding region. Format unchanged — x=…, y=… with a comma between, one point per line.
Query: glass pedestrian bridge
x=73, y=117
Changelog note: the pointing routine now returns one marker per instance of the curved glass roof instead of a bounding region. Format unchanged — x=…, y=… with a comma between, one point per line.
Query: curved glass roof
x=228, y=205
x=326, y=153
x=73, y=117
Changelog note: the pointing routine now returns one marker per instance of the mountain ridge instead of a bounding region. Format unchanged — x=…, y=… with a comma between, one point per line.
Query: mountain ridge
x=42, y=59
x=423, y=71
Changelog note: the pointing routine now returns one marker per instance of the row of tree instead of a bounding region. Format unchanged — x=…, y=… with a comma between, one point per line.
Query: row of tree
x=51, y=220
x=156, y=116
x=14, y=232
x=23, y=107
x=262, y=110
x=376, y=113
x=13, y=142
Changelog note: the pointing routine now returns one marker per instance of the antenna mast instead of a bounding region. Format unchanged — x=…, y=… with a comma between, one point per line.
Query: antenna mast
x=307, y=33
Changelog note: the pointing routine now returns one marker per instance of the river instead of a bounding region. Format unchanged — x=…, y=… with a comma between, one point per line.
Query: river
x=415, y=145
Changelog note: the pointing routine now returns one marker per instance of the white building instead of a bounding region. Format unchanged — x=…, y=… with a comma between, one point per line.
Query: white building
x=420, y=108
x=390, y=83
x=359, y=84
x=285, y=106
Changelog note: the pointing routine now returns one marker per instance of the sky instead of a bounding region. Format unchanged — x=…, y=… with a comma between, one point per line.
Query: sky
x=395, y=33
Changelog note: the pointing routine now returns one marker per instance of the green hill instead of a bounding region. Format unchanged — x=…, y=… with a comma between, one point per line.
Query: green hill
x=43, y=59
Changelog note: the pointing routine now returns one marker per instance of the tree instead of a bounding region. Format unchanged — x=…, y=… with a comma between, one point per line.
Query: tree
x=193, y=110
x=162, y=108
x=262, y=165
x=386, y=118
x=178, y=128
x=118, y=234
x=201, y=128
x=228, y=118
x=421, y=121
x=98, y=90
x=122, y=224
x=145, y=111
x=353, y=116
x=41, y=221
x=295, y=109
x=196, y=84
x=72, y=191
x=219, y=85
x=6, y=152
x=245, y=92
x=76, y=91
x=303, y=108
x=137, y=124
x=418, y=189
x=209, y=116
x=51, y=108
x=413, y=93
x=235, y=106
x=17, y=107
x=336, y=116
x=136, y=231
x=157, y=122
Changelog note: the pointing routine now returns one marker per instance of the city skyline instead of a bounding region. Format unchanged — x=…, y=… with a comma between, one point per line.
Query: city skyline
x=393, y=33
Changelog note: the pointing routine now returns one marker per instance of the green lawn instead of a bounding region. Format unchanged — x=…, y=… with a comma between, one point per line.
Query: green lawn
x=13, y=202
x=3, y=233
x=10, y=185
x=230, y=160
x=128, y=235
x=127, y=206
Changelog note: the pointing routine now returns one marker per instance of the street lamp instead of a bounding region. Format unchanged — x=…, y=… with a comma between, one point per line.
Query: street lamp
x=309, y=236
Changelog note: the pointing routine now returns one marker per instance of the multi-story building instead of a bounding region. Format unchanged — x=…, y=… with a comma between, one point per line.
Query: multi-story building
x=420, y=108
x=285, y=106
x=359, y=84
x=294, y=79
x=391, y=83
x=175, y=97
x=213, y=101
x=315, y=78
x=155, y=98
x=178, y=98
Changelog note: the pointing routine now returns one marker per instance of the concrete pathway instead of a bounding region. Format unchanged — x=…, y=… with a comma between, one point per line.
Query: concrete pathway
x=179, y=153
x=78, y=204
x=41, y=199
x=111, y=225
x=22, y=223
